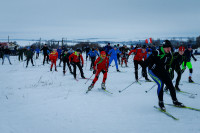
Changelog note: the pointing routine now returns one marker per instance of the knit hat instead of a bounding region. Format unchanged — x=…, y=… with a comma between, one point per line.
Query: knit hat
x=181, y=48
x=166, y=44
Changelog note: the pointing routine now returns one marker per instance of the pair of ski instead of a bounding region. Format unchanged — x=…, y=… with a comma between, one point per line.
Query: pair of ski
x=101, y=89
x=170, y=115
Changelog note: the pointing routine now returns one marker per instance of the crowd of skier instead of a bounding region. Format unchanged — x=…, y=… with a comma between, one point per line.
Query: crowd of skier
x=161, y=63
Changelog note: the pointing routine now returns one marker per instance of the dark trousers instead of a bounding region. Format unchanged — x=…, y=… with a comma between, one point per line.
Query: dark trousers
x=37, y=55
x=92, y=62
x=144, y=71
x=80, y=68
x=178, y=71
x=20, y=57
x=161, y=78
x=64, y=65
x=28, y=59
x=46, y=56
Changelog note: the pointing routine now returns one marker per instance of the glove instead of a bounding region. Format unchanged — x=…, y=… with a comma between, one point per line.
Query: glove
x=195, y=59
x=182, y=71
x=94, y=72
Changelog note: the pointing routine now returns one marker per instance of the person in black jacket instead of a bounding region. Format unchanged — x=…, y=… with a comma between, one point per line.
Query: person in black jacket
x=188, y=54
x=178, y=59
x=7, y=53
x=45, y=52
x=158, y=63
x=29, y=56
x=65, y=58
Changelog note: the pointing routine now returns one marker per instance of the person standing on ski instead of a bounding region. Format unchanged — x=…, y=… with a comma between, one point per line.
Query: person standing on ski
x=178, y=59
x=158, y=63
x=6, y=54
x=76, y=59
x=29, y=56
x=107, y=48
x=59, y=50
x=124, y=56
x=65, y=58
x=188, y=54
x=93, y=53
x=37, y=53
x=140, y=56
x=45, y=52
x=100, y=65
x=113, y=56
x=53, y=57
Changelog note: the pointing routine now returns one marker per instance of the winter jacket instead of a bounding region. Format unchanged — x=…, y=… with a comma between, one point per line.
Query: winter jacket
x=101, y=63
x=139, y=54
x=113, y=52
x=53, y=55
x=45, y=50
x=76, y=58
x=29, y=54
x=188, y=54
x=107, y=49
x=93, y=54
x=59, y=52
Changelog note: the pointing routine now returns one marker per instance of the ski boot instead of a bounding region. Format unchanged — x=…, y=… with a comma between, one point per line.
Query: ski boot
x=56, y=69
x=177, y=88
x=64, y=72
x=90, y=87
x=83, y=77
x=50, y=69
x=190, y=80
x=162, y=106
x=118, y=70
x=178, y=104
x=103, y=86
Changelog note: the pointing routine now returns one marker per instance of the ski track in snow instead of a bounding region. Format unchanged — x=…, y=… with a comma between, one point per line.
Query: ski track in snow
x=35, y=100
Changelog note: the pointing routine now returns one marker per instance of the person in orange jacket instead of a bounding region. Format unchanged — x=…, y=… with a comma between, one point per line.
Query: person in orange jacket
x=140, y=56
x=100, y=65
x=76, y=59
x=53, y=57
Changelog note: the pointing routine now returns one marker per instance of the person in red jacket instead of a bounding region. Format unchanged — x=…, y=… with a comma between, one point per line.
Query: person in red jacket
x=140, y=56
x=100, y=65
x=76, y=59
x=53, y=57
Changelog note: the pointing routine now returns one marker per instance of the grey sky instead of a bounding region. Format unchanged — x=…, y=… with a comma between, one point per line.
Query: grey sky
x=128, y=19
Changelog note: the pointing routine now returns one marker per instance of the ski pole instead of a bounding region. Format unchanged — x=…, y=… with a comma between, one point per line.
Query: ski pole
x=89, y=78
x=151, y=88
x=129, y=85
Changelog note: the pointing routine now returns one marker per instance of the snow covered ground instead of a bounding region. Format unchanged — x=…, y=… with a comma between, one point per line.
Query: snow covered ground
x=35, y=100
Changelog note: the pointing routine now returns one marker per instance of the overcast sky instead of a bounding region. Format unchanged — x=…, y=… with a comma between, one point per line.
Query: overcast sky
x=128, y=19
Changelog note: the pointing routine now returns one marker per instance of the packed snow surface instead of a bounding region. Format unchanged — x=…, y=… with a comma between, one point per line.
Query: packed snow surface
x=35, y=100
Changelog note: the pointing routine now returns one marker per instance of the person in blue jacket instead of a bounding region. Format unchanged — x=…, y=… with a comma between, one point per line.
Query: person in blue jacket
x=59, y=50
x=107, y=48
x=37, y=50
x=113, y=56
x=92, y=53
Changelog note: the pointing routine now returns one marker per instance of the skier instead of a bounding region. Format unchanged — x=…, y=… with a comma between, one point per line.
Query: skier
x=100, y=65
x=29, y=56
x=93, y=53
x=178, y=59
x=20, y=52
x=59, y=50
x=76, y=59
x=107, y=48
x=140, y=54
x=118, y=54
x=45, y=52
x=37, y=52
x=113, y=52
x=53, y=57
x=124, y=56
x=6, y=54
x=158, y=70
x=65, y=58
x=87, y=50
x=188, y=54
